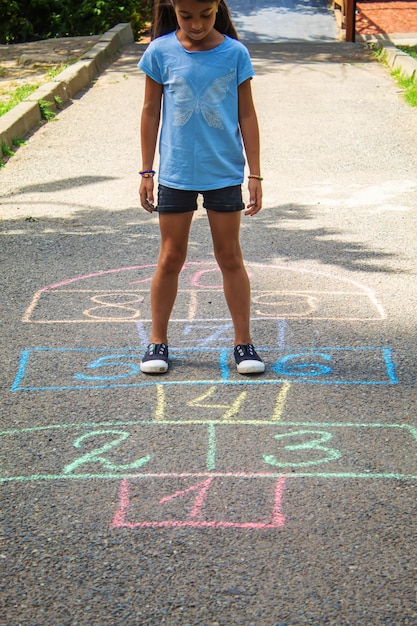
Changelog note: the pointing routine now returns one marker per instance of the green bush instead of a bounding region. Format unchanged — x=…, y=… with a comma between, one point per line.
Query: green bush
x=31, y=20
x=25, y=20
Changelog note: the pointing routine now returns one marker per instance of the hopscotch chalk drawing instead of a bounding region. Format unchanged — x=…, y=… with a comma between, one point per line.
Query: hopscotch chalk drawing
x=122, y=296
x=221, y=488
x=177, y=463
x=59, y=369
x=202, y=329
x=160, y=449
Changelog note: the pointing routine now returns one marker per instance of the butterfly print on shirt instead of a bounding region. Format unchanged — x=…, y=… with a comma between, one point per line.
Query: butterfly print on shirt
x=188, y=100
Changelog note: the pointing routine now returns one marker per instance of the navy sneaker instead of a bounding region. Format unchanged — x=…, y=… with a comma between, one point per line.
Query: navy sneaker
x=155, y=359
x=247, y=360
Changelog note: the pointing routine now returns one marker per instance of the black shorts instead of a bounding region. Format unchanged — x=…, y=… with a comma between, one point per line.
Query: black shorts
x=226, y=200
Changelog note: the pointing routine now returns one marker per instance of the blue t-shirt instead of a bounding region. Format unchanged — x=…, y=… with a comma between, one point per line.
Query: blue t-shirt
x=200, y=143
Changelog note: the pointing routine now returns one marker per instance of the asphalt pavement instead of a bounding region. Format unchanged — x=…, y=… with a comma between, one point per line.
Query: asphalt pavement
x=203, y=497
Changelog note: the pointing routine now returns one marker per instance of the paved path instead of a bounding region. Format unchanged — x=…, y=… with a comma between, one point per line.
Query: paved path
x=201, y=497
x=282, y=20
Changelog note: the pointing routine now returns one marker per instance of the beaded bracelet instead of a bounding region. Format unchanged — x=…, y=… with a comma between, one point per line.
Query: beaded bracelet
x=255, y=177
x=147, y=173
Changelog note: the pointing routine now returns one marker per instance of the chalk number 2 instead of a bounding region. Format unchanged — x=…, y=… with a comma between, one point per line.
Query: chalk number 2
x=97, y=455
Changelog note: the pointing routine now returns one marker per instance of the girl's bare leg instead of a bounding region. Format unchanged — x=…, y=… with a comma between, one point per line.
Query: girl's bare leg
x=175, y=229
x=225, y=228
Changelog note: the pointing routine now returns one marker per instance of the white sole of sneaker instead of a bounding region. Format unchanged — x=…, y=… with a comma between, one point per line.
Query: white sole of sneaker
x=250, y=367
x=156, y=366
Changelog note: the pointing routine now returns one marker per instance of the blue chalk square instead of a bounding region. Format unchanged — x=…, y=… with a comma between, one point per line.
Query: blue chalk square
x=52, y=369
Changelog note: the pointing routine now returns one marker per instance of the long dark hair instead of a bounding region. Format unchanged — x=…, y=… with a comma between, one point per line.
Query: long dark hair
x=164, y=20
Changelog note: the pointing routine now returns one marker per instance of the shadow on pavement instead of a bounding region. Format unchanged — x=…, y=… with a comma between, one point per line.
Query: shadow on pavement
x=281, y=237
x=308, y=52
x=64, y=183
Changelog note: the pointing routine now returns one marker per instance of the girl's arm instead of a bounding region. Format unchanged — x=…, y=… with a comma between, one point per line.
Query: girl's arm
x=248, y=123
x=151, y=114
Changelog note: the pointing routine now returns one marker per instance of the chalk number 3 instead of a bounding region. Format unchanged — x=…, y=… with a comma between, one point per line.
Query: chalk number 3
x=317, y=444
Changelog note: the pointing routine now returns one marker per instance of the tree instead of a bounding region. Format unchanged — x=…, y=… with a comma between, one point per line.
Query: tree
x=32, y=20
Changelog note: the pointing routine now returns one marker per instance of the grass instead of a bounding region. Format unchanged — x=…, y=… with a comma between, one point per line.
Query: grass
x=406, y=83
x=5, y=153
x=11, y=98
x=411, y=50
x=409, y=85
x=16, y=96
x=56, y=70
x=6, y=150
x=45, y=107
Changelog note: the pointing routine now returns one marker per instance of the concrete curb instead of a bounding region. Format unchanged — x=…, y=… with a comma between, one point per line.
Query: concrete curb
x=24, y=117
x=396, y=58
x=399, y=60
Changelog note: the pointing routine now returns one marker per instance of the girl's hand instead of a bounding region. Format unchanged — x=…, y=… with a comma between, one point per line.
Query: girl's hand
x=146, y=194
x=255, y=197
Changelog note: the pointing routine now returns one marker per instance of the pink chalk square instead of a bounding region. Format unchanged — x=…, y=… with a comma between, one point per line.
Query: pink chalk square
x=199, y=502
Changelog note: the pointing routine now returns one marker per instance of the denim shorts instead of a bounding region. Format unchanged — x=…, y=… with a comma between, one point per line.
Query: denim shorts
x=226, y=200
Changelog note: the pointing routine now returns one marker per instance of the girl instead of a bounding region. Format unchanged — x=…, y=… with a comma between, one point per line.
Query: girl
x=201, y=74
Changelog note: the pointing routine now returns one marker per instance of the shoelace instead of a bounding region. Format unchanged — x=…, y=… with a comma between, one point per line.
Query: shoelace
x=152, y=348
x=249, y=347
